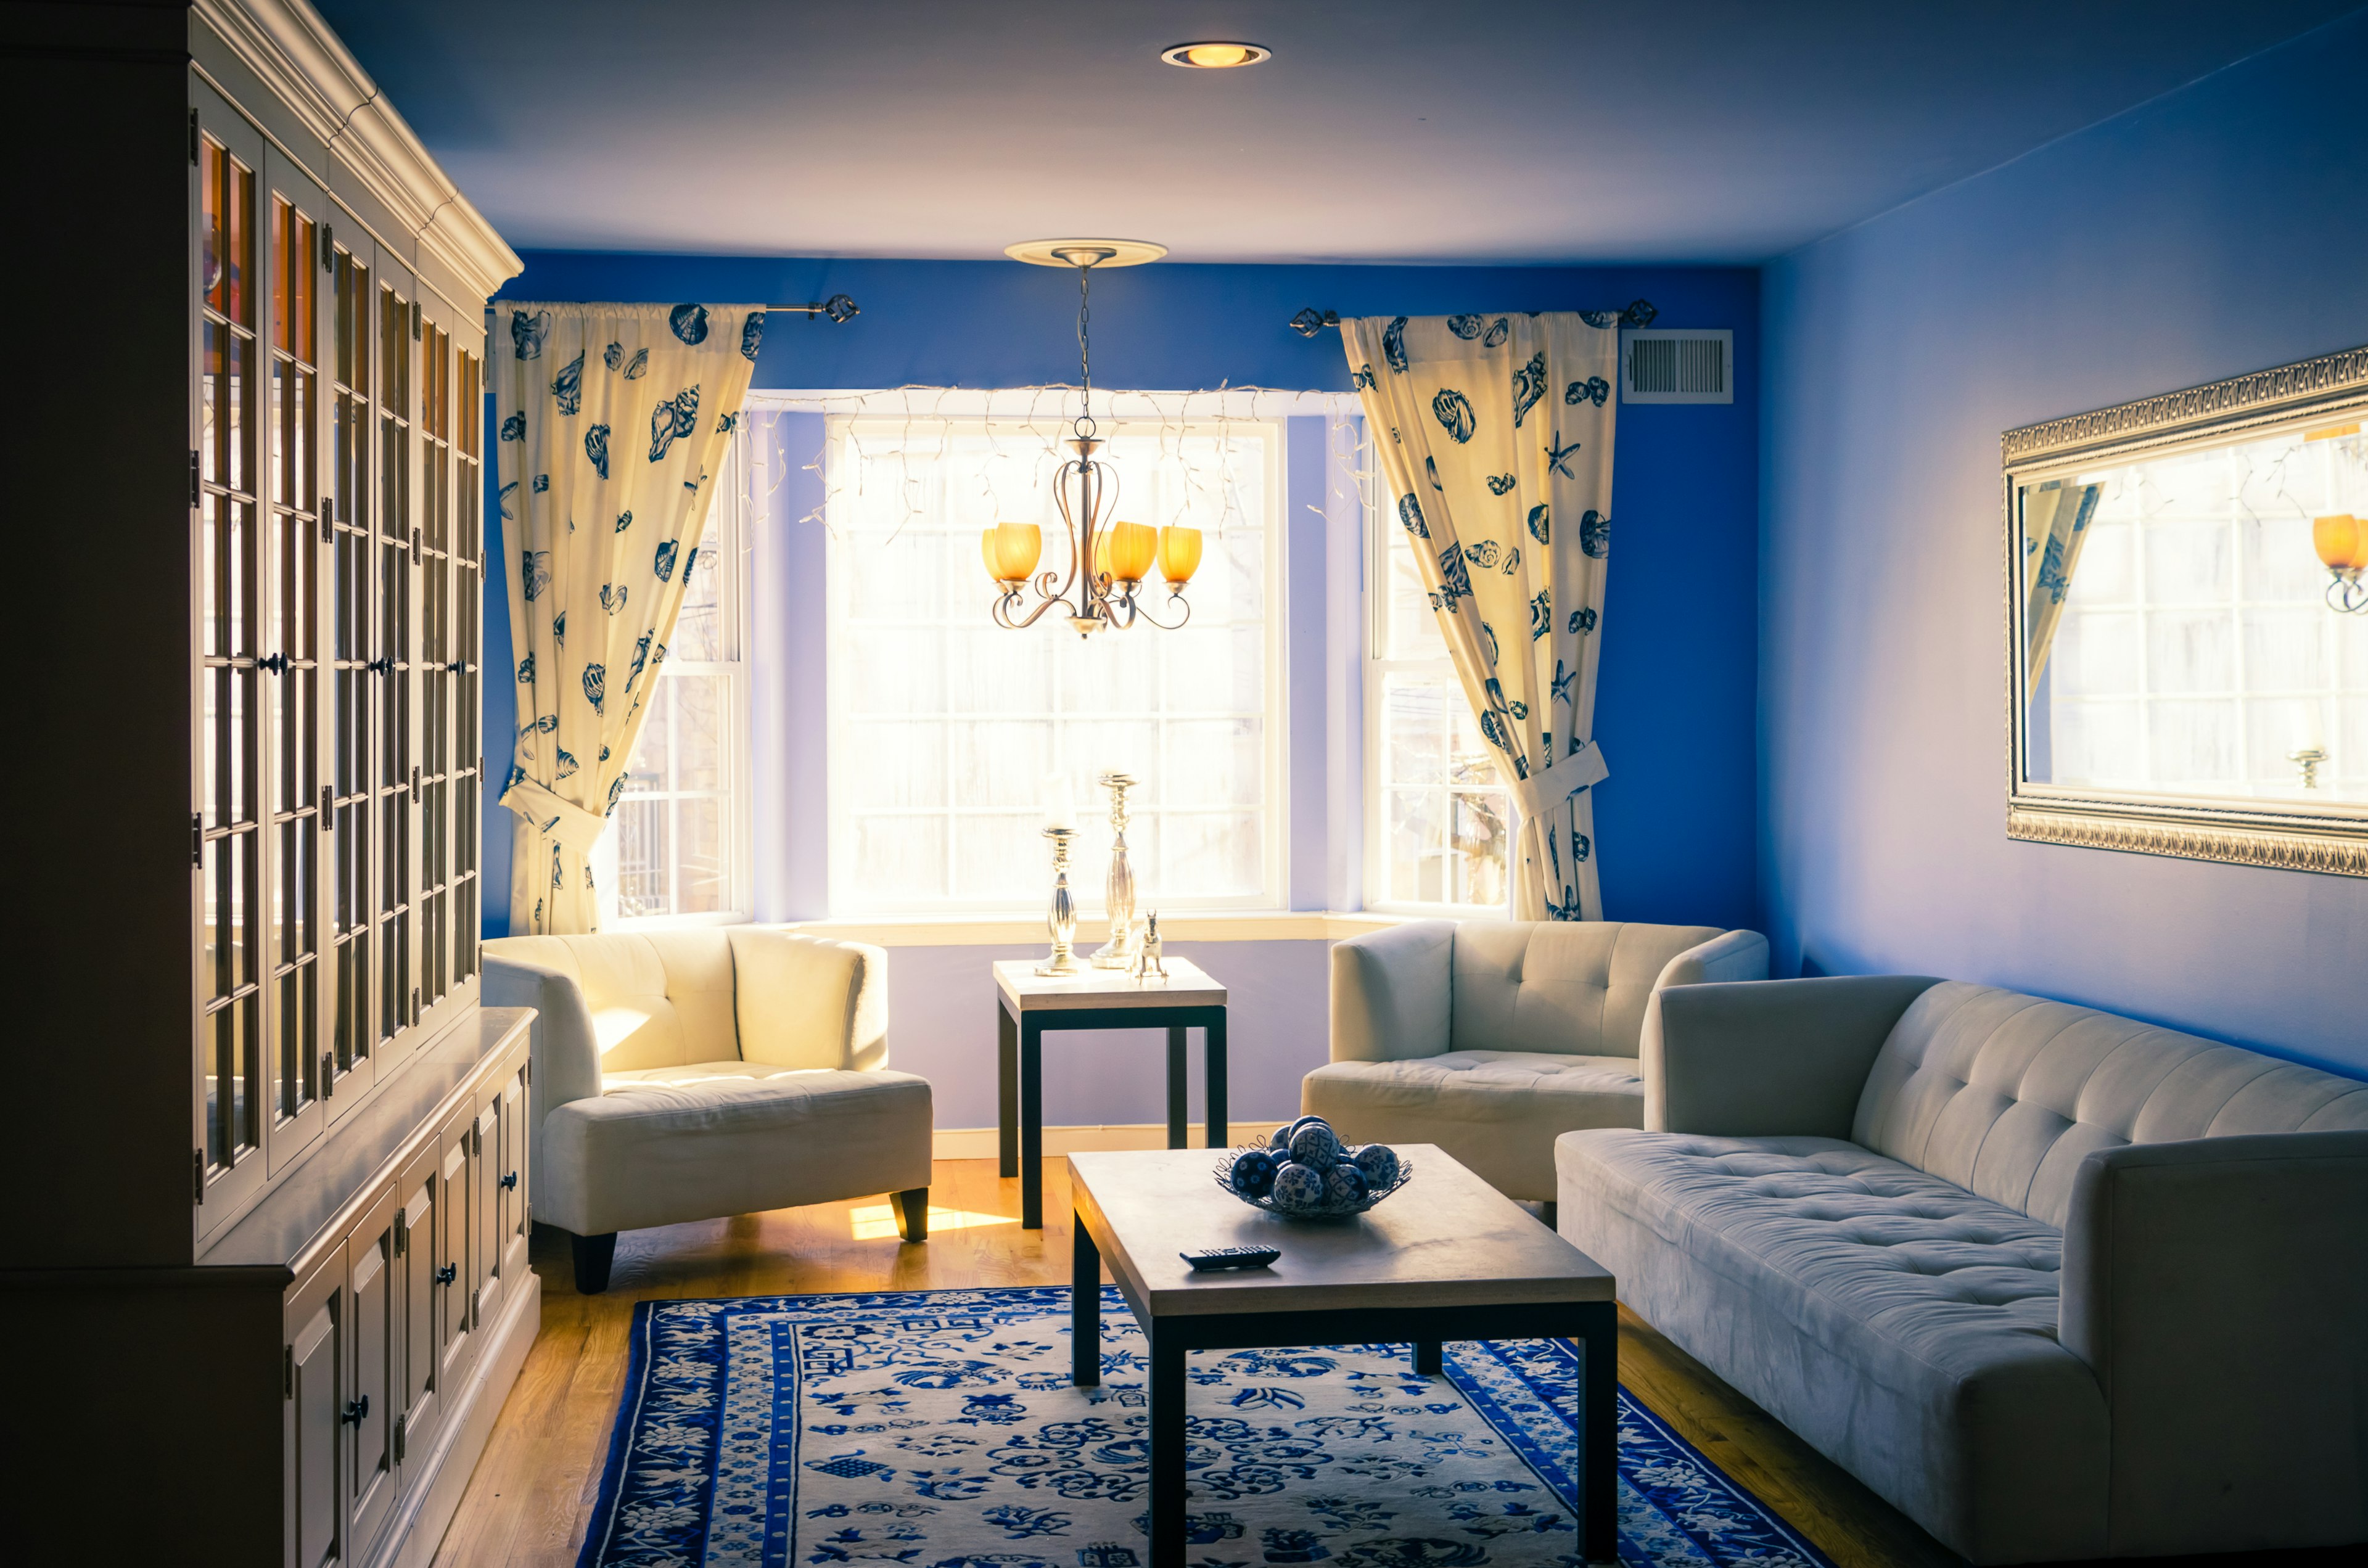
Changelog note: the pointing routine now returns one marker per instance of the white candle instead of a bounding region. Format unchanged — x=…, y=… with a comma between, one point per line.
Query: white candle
x=1060, y=805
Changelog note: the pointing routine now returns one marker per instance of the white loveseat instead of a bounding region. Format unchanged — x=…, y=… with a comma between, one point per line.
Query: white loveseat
x=2056, y=1283
x=1492, y=1038
x=692, y=1075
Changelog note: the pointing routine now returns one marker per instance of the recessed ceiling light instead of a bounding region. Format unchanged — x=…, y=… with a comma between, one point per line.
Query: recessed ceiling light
x=1215, y=55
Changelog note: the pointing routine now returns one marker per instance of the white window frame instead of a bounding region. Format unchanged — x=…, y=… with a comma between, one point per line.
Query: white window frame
x=1177, y=413
x=1384, y=533
x=725, y=545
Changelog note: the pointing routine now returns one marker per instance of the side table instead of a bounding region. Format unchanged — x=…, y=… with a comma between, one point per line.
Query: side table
x=1029, y=1004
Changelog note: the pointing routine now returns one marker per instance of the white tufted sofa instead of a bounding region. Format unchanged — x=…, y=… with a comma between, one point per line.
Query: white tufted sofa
x=1491, y=1038
x=2056, y=1283
x=696, y=1073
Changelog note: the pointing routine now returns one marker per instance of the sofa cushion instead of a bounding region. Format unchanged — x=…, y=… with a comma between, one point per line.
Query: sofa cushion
x=1498, y=1112
x=702, y=1140
x=1901, y=1325
x=2004, y=1095
x=1575, y=988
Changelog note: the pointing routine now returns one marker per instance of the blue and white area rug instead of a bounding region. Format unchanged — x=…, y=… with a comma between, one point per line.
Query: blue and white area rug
x=940, y=1429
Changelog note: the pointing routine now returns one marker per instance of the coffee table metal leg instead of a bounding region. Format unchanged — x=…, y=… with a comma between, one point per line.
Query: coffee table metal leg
x=1600, y=1431
x=1180, y=1108
x=1007, y=1064
x=1032, y=1125
x=1213, y=1046
x=1167, y=1451
x=1428, y=1359
x=1084, y=1306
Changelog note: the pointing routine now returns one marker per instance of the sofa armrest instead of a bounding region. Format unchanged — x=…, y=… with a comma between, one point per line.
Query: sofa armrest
x=1767, y=1058
x=2218, y=1287
x=1730, y=955
x=808, y=1000
x=1392, y=992
x=564, y=1046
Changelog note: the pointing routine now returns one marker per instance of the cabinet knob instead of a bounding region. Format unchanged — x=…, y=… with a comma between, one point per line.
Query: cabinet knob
x=446, y=1275
x=381, y=667
x=357, y=1409
x=510, y=1180
x=275, y=663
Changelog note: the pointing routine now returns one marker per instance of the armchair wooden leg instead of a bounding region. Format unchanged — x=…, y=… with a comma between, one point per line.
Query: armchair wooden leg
x=593, y=1256
x=911, y=1212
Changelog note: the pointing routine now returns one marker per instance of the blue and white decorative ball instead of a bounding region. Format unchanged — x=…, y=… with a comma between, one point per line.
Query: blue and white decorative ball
x=1254, y=1172
x=1313, y=1142
x=1379, y=1165
x=1344, y=1184
x=1299, y=1189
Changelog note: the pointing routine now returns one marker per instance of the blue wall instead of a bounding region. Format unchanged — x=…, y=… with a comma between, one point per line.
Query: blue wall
x=2220, y=229
x=1674, y=711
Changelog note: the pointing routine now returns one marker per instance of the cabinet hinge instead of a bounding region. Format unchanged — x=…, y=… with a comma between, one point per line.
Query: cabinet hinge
x=328, y=519
x=401, y=1233
x=193, y=138
x=328, y=806
x=398, y=1439
x=415, y=321
x=477, y=1305
x=415, y=547
x=198, y=1175
x=415, y=1004
x=288, y=1371
x=414, y=785
x=476, y=1141
x=196, y=491
x=197, y=838
x=328, y=248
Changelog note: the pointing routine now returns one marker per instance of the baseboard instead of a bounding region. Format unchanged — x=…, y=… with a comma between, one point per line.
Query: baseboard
x=986, y=1143
x=422, y=1517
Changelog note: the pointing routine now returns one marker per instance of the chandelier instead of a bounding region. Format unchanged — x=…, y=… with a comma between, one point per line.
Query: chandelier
x=1110, y=560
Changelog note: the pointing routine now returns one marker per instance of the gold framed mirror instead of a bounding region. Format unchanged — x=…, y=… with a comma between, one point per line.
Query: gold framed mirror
x=2187, y=622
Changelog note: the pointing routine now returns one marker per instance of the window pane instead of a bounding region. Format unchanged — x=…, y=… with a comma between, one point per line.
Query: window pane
x=1444, y=822
x=944, y=726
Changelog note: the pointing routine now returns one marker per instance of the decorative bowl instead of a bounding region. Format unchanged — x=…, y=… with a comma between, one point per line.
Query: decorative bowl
x=1333, y=1210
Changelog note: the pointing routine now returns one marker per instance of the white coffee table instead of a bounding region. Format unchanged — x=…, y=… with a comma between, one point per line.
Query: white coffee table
x=1029, y=1004
x=1446, y=1256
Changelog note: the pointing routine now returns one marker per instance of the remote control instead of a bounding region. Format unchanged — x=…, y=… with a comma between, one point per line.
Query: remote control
x=1229, y=1257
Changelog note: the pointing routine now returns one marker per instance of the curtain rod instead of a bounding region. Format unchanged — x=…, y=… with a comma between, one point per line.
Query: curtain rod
x=1640, y=313
x=838, y=308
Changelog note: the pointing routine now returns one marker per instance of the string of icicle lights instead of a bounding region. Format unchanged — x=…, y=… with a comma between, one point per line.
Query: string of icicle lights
x=1023, y=427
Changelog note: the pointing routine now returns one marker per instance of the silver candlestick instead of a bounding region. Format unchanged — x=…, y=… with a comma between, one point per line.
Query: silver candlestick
x=1119, y=950
x=1061, y=919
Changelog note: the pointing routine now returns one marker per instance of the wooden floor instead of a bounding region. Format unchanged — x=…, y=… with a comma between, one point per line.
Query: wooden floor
x=531, y=1496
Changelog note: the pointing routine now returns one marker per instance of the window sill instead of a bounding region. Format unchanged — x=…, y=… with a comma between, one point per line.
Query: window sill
x=1001, y=931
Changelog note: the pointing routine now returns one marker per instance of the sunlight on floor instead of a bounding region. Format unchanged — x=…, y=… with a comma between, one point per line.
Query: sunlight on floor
x=874, y=1222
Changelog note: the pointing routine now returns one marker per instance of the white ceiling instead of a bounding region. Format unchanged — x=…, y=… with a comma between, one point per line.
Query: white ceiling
x=1397, y=130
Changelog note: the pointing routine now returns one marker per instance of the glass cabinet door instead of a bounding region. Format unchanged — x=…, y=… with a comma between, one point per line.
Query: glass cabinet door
x=356, y=676
x=450, y=443
x=397, y=546
x=227, y=486
x=293, y=550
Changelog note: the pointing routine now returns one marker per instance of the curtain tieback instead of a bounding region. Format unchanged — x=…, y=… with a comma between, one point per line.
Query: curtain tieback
x=1542, y=792
x=554, y=816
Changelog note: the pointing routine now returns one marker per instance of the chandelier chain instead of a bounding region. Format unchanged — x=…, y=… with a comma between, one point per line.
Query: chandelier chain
x=1086, y=424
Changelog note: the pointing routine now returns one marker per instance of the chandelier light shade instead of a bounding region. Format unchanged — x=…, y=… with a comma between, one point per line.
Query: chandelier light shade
x=1011, y=551
x=1109, y=559
x=2341, y=540
x=1180, y=554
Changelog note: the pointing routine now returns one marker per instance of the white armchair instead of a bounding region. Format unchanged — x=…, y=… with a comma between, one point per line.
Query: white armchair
x=697, y=1073
x=1493, y=1038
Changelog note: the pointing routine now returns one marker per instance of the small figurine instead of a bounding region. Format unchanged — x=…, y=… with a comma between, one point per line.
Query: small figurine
x=1146, y=959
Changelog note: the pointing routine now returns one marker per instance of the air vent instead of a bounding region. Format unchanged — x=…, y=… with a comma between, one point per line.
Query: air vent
x=1677, y=365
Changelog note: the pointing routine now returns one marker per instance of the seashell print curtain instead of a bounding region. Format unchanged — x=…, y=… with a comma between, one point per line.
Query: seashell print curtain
x=611, y=419
x=2056, y=517
x=1493, y=435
